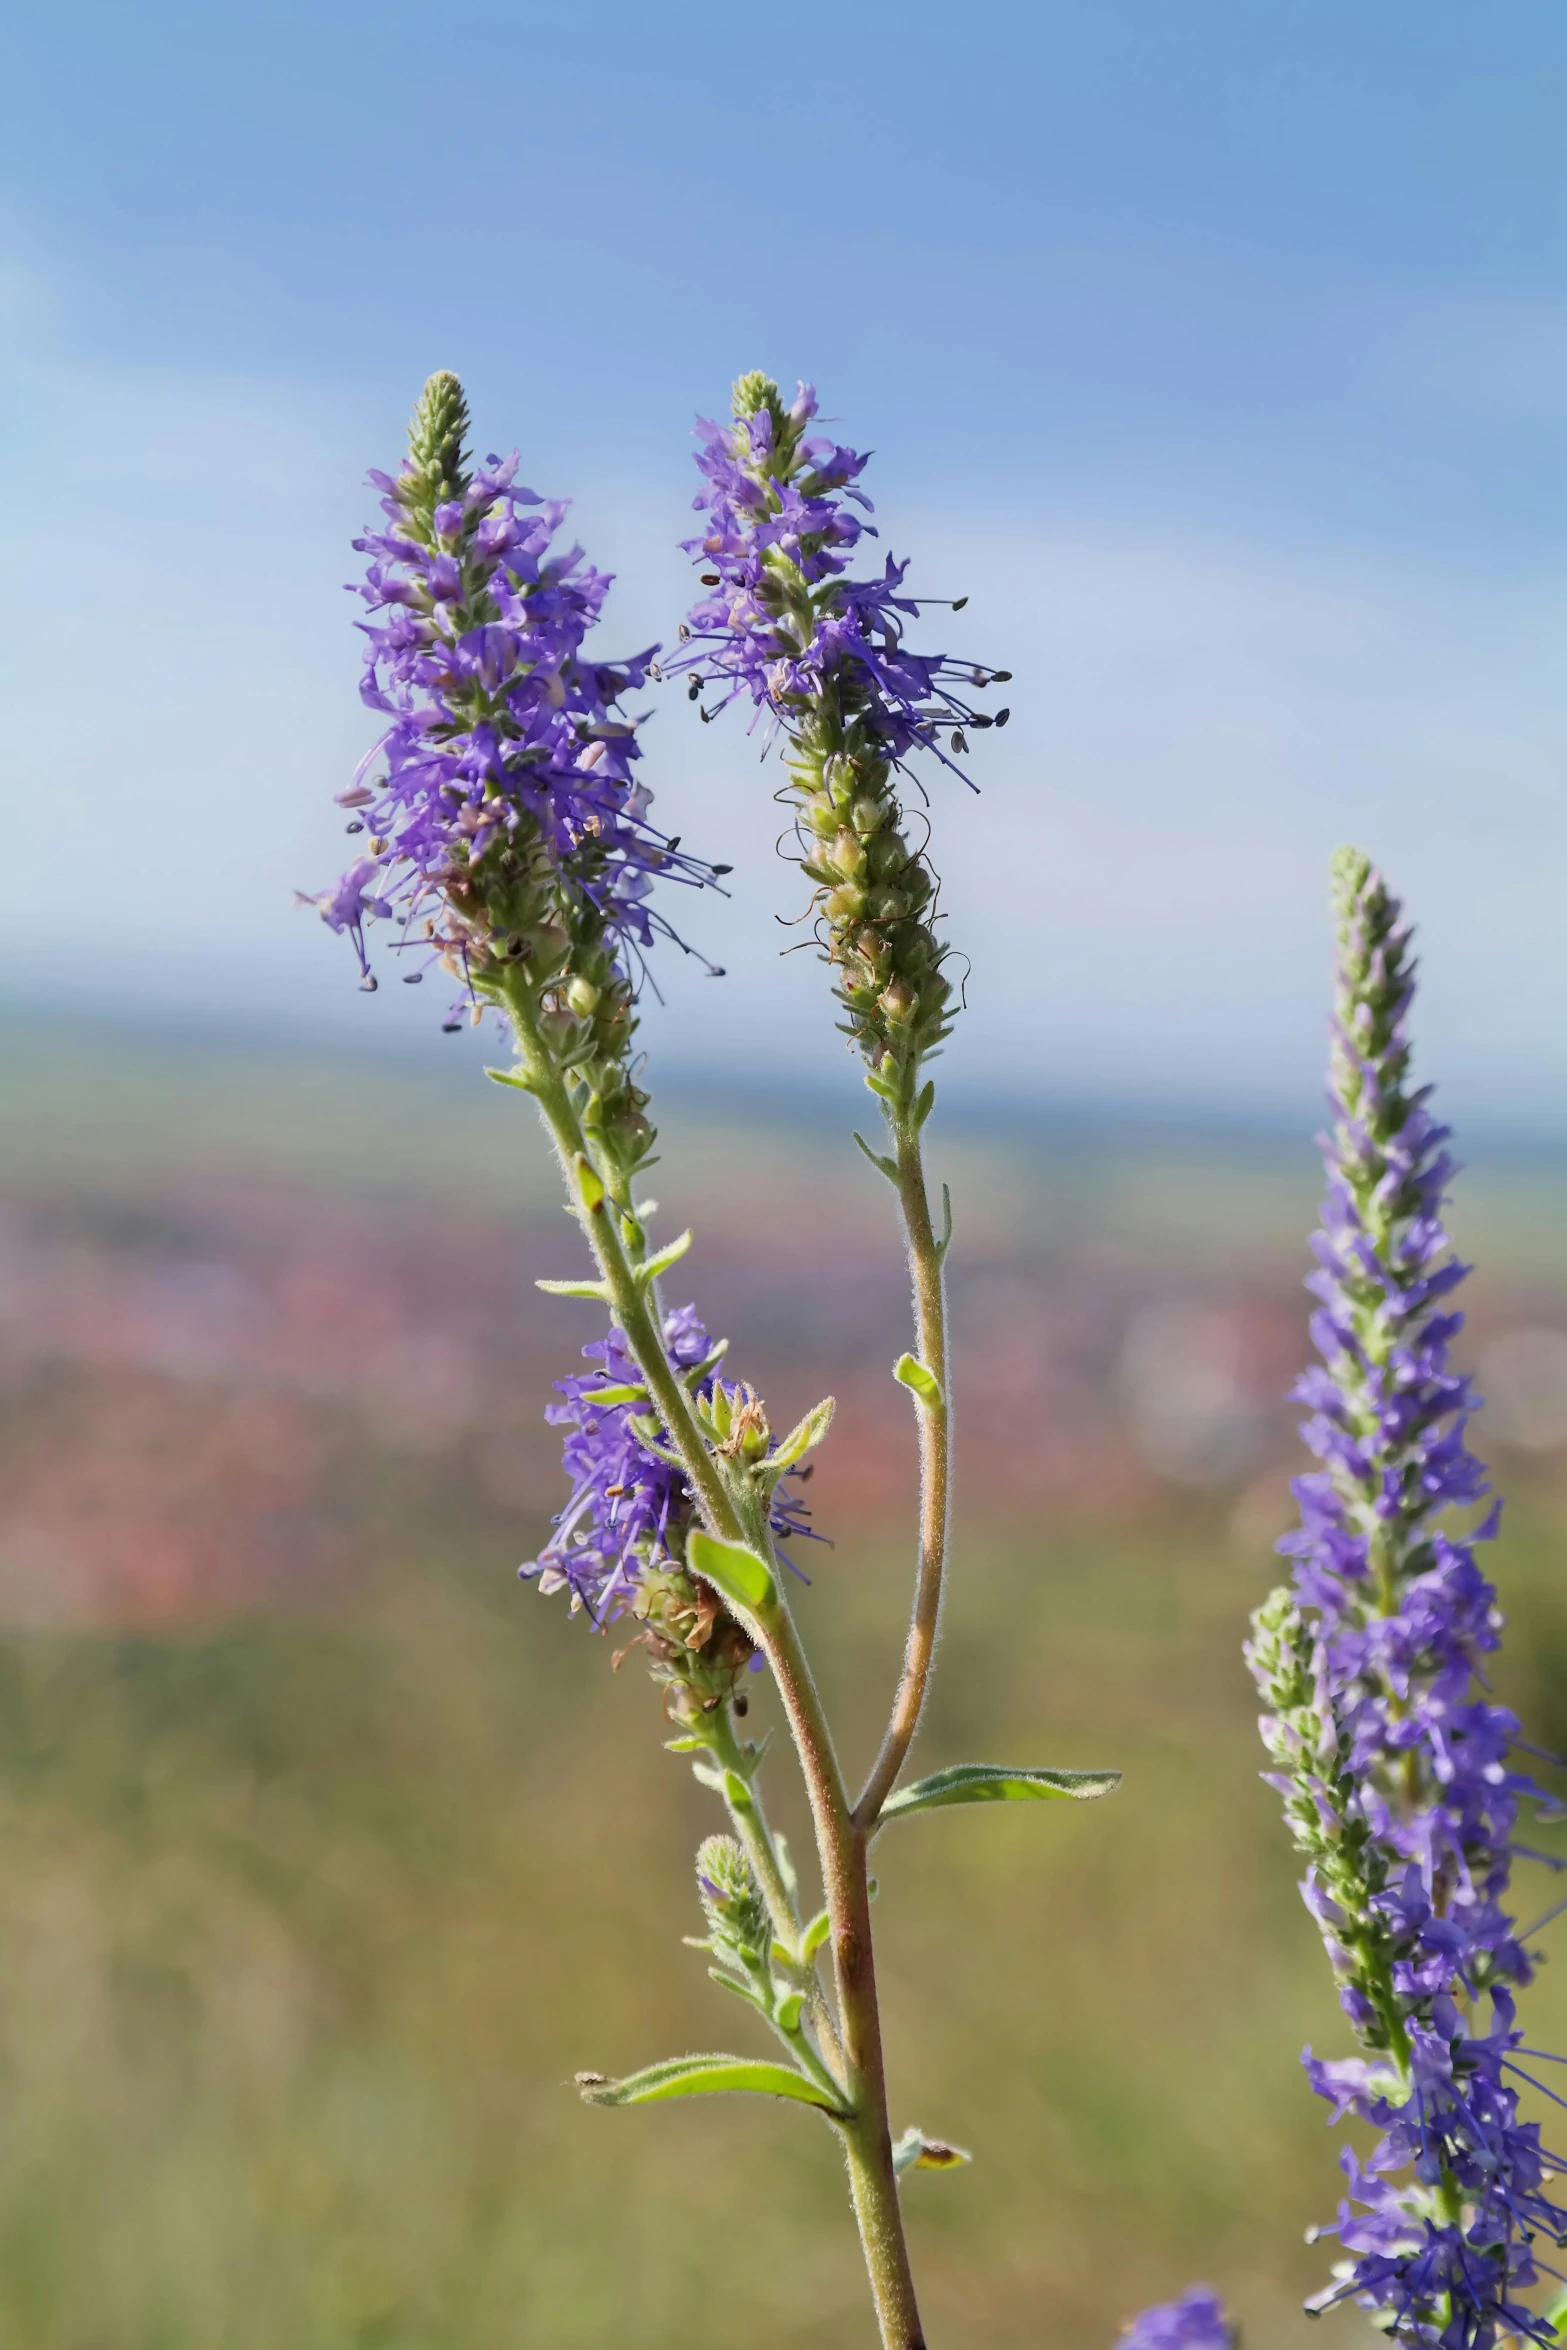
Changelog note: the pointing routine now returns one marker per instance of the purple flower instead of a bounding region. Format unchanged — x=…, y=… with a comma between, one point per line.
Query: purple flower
x=1392, y=1760
x=784, y=618
x=501, y=800
x=630, y=1505
x=824, y=655
x=1195, y=2322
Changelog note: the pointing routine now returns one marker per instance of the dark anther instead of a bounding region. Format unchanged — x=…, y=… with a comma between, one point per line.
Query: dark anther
x=958, y=603
x=673, y=842
x=1001, y=677
x=354, y=827
x=979, y=719
x=1002, y=716
x=450, y=1027
x=367, y=985
x=694, y=690
x=715, y=971
x=742, y=1705
x=685, y=634
x=720, y=868
x=412, y=978
x=655, y=671
x=708, y=578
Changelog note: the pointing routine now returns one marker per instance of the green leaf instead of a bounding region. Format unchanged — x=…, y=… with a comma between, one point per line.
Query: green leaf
x=815, y=1934
x=574, y=1289
x=803, y=1435
x=923, y=1384
x=882, y=1164
x=513, y=1077
x=604, y=1396
x=925, y=1104
x=703, y=2076
x=687, y=1745
x=997, y=1783
x=786, y=2015
x=732, y=1569
x=914, y=2151
x=647, y=1274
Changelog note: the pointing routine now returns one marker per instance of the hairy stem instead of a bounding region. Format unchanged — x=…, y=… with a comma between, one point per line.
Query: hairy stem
x=867, y=2135
x=926, y=1267
x=841, y=1844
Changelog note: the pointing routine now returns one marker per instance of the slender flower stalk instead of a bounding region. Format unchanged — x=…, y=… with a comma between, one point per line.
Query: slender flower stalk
x=822, y=657
x=1392, y=1760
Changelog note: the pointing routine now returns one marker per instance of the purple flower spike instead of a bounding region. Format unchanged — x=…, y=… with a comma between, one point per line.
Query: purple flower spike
x=1195, y=2322
x=784, y=617
x=1393, y=1763
x=823, y=655
x=506, y=828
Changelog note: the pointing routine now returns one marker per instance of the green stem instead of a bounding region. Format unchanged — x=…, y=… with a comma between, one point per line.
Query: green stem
x=926, y=1266
x=842, y=1846
x=841, y=1843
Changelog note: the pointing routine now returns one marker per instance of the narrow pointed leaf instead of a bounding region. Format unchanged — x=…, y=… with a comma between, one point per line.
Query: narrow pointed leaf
x=733, y=1569
x=574, y=1289
x=649, y=1273
x=514, y=1077
x=882, y=1164
x=803, y=1435
x=997, y=1783
x=704, y=2076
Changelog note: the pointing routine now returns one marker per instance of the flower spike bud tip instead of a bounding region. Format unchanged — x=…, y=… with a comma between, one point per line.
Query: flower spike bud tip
x=823, y=656
x=1393, y=1763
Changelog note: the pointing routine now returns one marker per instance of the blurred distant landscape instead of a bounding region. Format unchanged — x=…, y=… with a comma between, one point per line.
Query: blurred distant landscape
x=331, y=1851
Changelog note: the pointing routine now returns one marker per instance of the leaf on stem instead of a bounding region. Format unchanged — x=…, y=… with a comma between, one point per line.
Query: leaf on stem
x=803, y=1435
x=574, y=1289
x=515, y=1077
x=911, y=1373
x=704, y=2076
x=997, y=1783
x=882, y=1164
x=647, y=1274
x=732, y=1569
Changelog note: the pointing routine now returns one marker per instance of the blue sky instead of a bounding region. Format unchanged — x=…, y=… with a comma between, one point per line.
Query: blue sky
x=1217, y=351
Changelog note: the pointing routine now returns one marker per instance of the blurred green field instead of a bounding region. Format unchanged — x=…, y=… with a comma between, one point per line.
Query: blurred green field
x=307, y=1924
x=311, y=1912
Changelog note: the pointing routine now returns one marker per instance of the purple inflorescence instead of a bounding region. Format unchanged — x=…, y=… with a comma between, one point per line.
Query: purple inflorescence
x=630, y=1506
x=783, y=618
x=1392, y=1761
x=506, y=788
x=1195, y=2322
